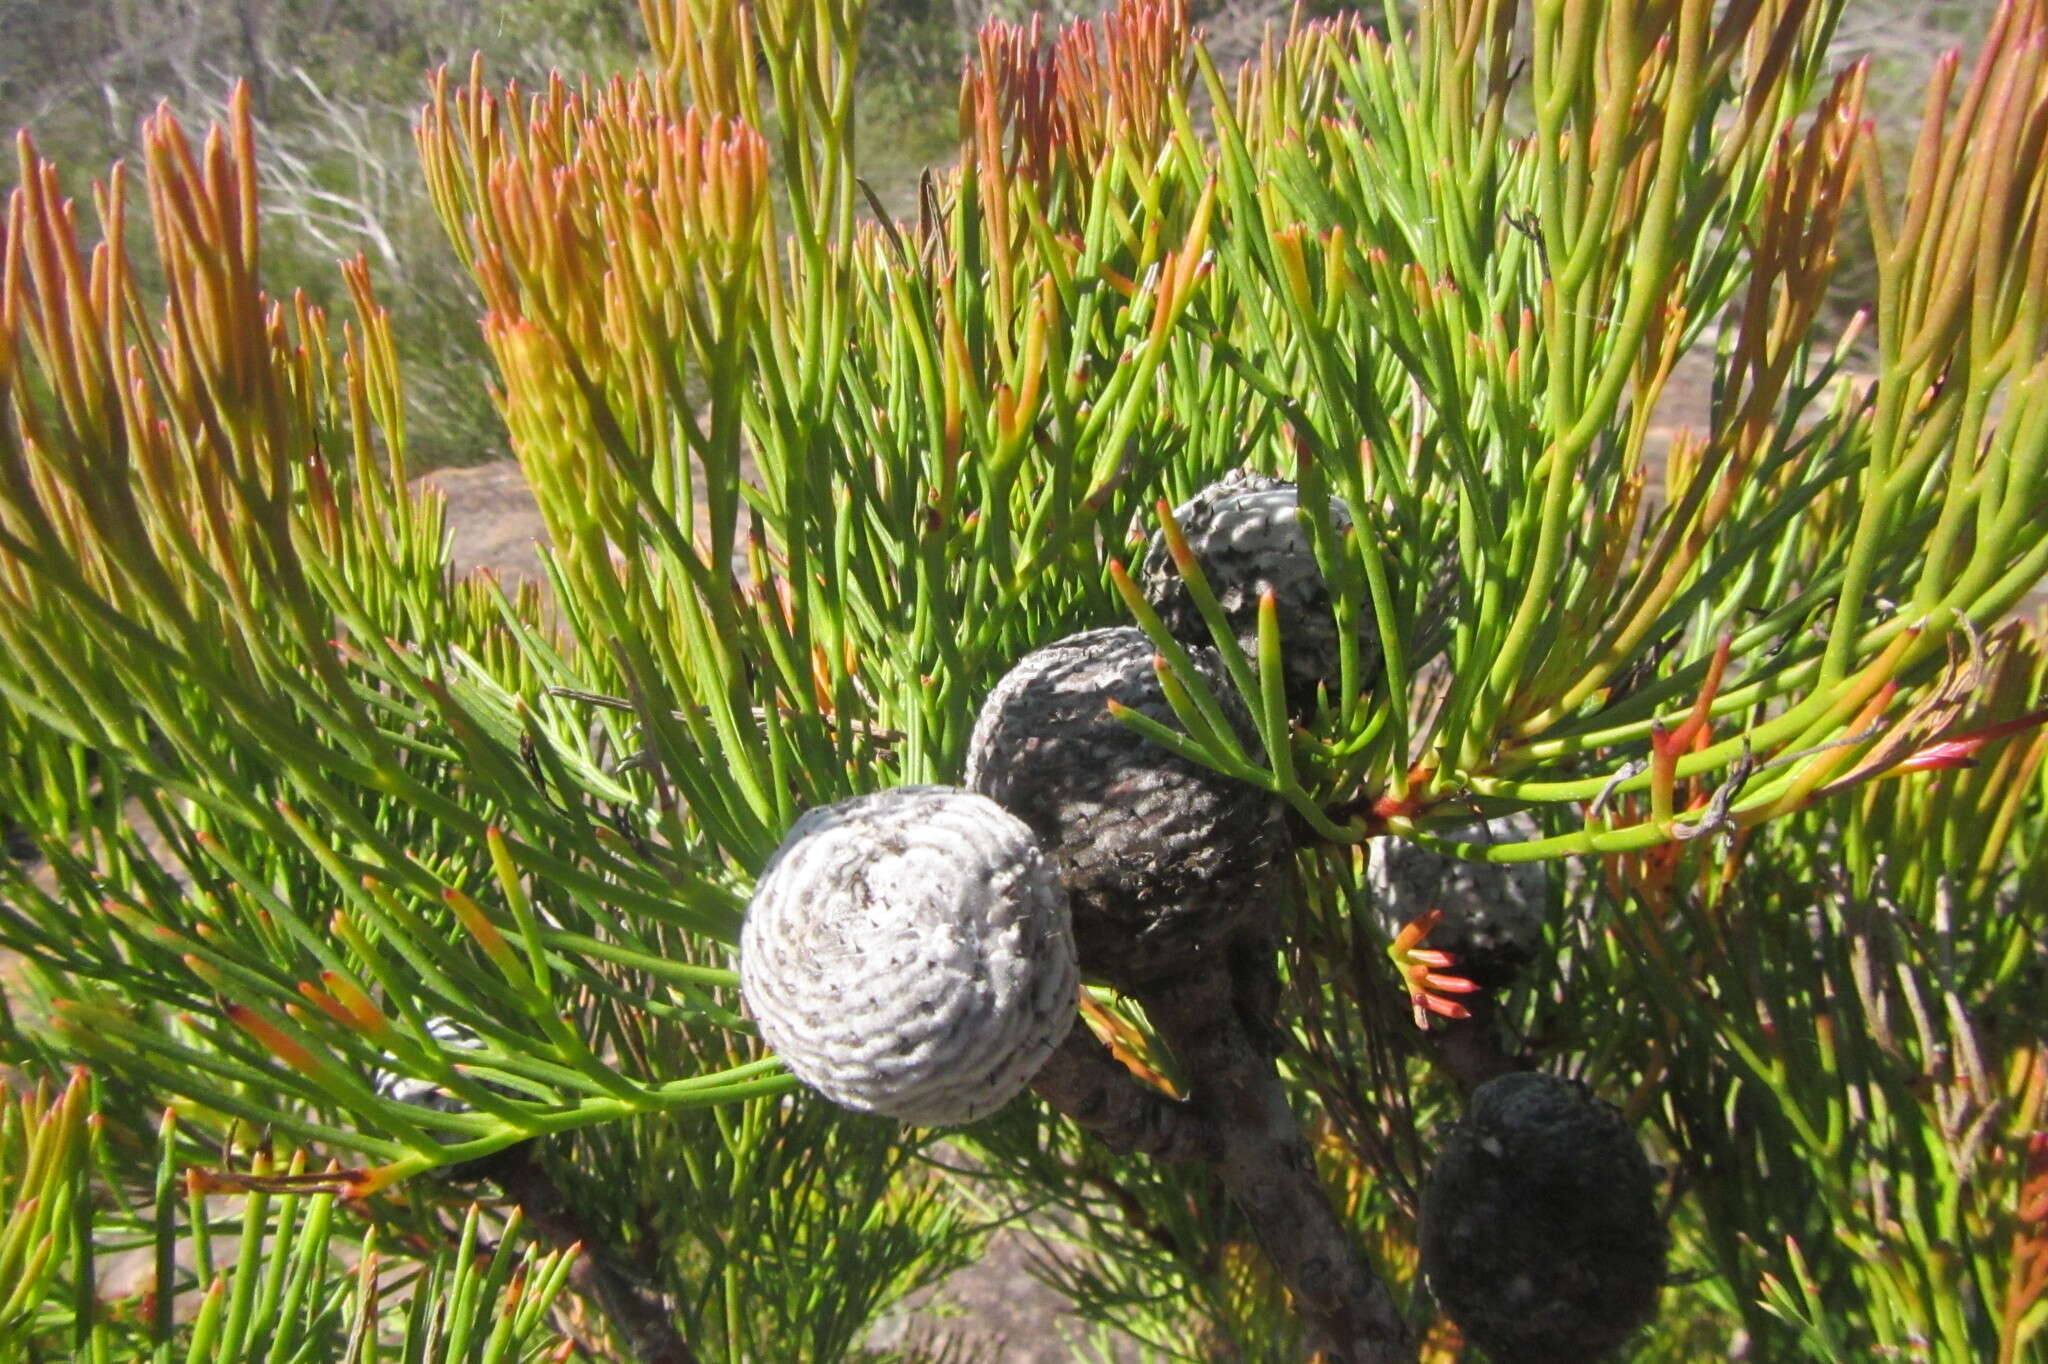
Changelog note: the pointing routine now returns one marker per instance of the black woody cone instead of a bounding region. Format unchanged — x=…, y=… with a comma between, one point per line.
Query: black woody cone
x=1493, y=912
x=1540, y=1234
x=1164, y=860
x=1245, y=531
x=411, y=1089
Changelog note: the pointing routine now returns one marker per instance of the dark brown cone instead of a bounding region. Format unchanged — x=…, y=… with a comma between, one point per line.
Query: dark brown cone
x=1245, y=530
x=1162, y=858
x=1540, y=1234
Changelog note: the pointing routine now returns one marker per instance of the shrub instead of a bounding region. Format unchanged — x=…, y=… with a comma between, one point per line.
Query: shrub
x=409, y=909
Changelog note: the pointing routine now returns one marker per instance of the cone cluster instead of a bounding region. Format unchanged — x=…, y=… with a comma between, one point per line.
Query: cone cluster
x=915, y=952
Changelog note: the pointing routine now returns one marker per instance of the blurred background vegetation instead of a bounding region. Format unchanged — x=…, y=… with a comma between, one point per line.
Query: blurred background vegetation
x=336, y=85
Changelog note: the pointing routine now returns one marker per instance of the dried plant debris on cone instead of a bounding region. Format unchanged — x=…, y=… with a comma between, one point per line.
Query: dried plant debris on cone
x=1245, y=531
x=423, y=1093
x=1165, y=861
x=1540, y=1234
x=908, y=953
x=1493, y=912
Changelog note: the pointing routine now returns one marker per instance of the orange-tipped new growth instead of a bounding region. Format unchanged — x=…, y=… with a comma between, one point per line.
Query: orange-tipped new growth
x=1427, y=972
x=275, y=1040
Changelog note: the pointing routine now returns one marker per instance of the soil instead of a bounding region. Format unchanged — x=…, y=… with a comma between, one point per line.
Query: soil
x=492, y=519
x=995, y=1309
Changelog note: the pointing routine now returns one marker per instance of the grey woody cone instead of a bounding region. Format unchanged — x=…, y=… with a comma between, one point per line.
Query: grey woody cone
x=412, y=1089
x=908, y=953
x=423, y=1093
x=1493, y=911
x=1245, y=530
x=1163, y=859
x=1540, y=1235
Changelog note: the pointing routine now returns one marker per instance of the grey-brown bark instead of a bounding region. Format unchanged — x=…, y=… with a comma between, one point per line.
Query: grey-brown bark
x=1468, y=1049
x=1266, y=1165
x=1097, y=1094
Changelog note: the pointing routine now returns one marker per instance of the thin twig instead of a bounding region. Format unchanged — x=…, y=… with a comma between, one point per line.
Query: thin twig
x=1468, y=1049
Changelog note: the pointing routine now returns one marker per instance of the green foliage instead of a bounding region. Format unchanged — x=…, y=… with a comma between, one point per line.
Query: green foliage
x=286, y=1277
x=813, y=482
x=800, y=1225
x=1880, y=1049
x=331, y=84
